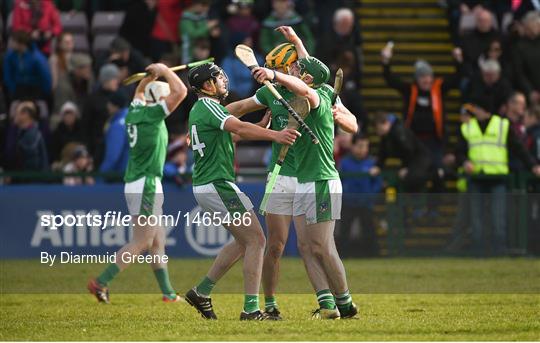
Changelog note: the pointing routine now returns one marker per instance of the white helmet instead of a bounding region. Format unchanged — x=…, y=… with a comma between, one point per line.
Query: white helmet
x=155, y=90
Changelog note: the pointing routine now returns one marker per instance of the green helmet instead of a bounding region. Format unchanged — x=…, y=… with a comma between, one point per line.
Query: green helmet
x=318, y=70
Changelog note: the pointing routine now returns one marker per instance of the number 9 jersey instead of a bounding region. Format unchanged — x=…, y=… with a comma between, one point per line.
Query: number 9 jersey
x=148, y=138
x=212, y=146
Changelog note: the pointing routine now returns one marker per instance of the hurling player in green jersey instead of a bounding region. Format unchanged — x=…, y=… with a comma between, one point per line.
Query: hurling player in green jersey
x=145, y=122
x=317, y=203
x=279, y=209
x=210, y=127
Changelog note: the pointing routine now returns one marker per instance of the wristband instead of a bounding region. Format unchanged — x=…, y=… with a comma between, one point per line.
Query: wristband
x=274, y=79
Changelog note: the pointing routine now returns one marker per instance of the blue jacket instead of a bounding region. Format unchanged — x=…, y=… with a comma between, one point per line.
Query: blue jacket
x=116, y=144
x=240, y=78
x=27, y=69
x=359, y=190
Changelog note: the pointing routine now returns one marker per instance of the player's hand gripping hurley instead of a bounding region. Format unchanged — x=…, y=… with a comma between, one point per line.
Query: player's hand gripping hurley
x=246, y=55
x=301, y=106
x=139, y=76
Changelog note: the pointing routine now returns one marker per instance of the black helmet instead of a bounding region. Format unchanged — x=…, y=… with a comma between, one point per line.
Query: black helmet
x=199, y=75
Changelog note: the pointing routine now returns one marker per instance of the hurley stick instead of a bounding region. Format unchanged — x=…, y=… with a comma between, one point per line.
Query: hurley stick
x=139, y=76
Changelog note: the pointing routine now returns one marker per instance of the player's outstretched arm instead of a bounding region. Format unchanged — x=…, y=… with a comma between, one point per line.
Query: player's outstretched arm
x=251, y=131
x=241, y=107
x=293, y=38
x=294, y=84
x=344, y=118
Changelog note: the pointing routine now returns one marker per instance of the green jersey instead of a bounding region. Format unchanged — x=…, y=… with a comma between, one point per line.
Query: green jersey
x=330, y=91
x=280, y=119
x=315, y=162
x=147, y=135
x=213, y=147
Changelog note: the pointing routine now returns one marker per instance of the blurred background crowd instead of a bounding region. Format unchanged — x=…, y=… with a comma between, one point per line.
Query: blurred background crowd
x=62, y=104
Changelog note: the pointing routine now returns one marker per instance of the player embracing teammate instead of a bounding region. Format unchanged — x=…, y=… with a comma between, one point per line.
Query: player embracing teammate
x=210, y=128
x=307, y=189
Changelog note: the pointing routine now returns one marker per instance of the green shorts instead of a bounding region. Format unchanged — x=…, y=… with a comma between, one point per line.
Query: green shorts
x=144, y=196
x=319, y=201
x=222, y=197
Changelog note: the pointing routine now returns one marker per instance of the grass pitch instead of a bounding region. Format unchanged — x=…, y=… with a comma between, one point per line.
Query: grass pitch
x=399, y=299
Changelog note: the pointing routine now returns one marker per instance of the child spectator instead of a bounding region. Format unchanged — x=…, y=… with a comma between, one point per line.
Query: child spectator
x=359, y=195
x=283, y=14
x=177, y=166
x=194, y=25
x=116, y=141
x=80, y=162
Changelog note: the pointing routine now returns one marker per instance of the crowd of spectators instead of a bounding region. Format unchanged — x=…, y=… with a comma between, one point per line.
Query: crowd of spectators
x=74, y=101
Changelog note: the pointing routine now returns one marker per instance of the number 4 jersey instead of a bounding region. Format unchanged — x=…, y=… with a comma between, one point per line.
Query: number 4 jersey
x=212, y=146
x=148, y=137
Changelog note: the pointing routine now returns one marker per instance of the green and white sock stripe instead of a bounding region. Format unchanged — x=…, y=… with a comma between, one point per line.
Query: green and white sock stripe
x=326, y=299
x=270, y=302
x=344, y=300
x=251, y=303
x=230, y=198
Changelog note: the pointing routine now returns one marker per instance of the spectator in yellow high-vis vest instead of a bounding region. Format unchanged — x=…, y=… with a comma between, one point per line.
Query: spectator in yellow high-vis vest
x=483, y=146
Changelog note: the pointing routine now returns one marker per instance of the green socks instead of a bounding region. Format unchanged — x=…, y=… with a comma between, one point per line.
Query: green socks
x=205, y=287
x=270, y=303
x=108, y=274
x=162, y=277
x=326, y=299
x=251, y=303
x=344, y=301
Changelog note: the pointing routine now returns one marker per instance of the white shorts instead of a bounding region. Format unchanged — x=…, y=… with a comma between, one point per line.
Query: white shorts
x=222, y=197
x=320, y=201
x=144, y=196
x=281, y=200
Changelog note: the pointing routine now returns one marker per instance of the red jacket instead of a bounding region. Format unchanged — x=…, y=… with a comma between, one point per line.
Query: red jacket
x=49, y=19
x=167, y=18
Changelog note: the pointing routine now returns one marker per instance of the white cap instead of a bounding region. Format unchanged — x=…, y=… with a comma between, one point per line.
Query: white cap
x=156, y=90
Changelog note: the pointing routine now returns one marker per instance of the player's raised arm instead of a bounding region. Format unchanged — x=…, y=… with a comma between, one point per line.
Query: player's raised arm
x=139, y=91
x=292, y=37
x=344, y=118
x=178, y=90
x=294, y=84
x=251, y=131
